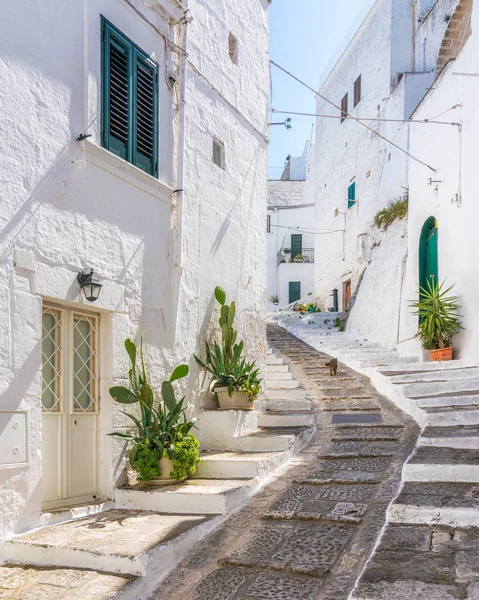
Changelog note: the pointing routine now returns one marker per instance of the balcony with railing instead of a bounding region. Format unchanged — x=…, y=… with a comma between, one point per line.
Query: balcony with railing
x=306, y=256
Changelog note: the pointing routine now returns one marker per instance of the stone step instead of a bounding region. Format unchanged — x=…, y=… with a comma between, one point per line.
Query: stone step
x=458, y=436
x=277, y=369
x=281, y=439
x=288, y=405
x=451, y=415
x=285, y=376
x=387, y=363
x=451, y=504
x=447, y=388
x=282, y=384
x=273, y=360
x=295, y=394
x=442, y=464
x=131, y=542
x=217, y=428
x=436, y=375
x=437, y=401
x=191, y=497
x=239, y=465
x=422, y=367
x=286, y=419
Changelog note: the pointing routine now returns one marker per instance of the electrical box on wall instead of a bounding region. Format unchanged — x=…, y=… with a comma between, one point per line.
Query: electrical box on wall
x=13, y=438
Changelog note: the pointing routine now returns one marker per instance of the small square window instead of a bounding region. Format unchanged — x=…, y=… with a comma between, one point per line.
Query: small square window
x=357, y=91
x=219, y=153
x=233, y=48
x=344, y=108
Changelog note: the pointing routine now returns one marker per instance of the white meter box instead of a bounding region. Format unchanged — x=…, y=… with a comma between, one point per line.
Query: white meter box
x=13, y=438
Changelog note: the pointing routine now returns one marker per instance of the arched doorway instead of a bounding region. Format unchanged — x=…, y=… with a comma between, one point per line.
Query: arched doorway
x=428, y=258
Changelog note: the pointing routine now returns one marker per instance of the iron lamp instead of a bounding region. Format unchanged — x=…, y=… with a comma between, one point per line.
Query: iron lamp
x=91, y=288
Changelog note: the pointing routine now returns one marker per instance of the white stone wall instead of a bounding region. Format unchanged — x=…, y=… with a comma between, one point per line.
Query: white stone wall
x=451, y=151
x=68, y=205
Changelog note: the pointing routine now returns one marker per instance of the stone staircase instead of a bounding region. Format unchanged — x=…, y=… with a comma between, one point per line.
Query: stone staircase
x=430, y=524
x=147, y=530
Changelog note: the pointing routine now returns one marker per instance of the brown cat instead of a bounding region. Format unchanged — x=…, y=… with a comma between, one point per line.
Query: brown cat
x=333, y=366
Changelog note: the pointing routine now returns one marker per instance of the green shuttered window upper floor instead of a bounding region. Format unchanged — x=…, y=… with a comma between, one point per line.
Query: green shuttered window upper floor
x=129, y=100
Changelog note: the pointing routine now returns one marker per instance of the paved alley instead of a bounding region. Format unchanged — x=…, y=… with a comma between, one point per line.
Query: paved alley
x=309, y=532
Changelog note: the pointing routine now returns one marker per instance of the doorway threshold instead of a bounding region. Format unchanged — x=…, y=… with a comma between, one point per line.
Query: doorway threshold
x=53, y=516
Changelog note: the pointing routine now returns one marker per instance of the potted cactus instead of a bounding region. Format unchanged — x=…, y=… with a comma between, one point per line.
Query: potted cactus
x=235, y=381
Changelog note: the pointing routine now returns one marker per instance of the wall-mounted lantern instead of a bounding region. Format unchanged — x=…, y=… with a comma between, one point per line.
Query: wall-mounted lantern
x=91, y=288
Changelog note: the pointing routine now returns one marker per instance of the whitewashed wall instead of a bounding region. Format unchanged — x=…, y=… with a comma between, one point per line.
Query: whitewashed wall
x=68, y=205
x=453, y=202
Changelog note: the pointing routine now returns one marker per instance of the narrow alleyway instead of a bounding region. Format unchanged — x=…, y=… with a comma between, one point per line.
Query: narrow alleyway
x=309, y=532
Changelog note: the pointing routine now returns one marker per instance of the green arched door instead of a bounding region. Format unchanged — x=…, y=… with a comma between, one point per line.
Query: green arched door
x=428, y=255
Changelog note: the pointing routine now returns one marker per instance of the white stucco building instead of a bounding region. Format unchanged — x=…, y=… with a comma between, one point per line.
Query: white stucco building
x=164, y=198
x=380, y=79
x=289, y=235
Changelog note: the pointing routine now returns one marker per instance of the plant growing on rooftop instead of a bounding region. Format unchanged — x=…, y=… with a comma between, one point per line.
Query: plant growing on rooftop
x=396, y=210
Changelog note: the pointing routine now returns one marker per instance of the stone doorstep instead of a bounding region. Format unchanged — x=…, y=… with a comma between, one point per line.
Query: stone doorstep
x=128, y=542
x=45, y=583
x=286, y=419
x=239, y=465
x=436, y=375
x=193, y=497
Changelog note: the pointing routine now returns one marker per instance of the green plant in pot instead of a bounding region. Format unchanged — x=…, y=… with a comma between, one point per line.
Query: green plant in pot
x=438, y=319
x=163, y=448
x=235, y=381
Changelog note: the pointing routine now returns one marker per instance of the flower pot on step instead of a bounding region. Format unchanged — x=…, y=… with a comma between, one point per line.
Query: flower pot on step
x=166, y=465
x=237, y=401
x=441, y=354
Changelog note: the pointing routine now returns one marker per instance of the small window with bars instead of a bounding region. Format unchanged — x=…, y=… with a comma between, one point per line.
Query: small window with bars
x=129, y=101
x=357, y=91
x=344, y=108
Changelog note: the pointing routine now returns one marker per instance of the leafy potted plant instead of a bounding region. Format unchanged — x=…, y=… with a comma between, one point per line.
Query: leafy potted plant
x=164, y=451
x=438, y=319
x=274, y=299
x=236, y=382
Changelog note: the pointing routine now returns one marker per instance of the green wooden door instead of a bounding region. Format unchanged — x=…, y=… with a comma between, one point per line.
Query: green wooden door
x=296, y=245
x=428, y=253
x=294, y=291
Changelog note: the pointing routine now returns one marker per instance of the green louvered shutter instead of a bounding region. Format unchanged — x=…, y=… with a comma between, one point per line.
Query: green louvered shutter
x=130, y=101
x=294, y=291
x=296, y=245
x=352, y=195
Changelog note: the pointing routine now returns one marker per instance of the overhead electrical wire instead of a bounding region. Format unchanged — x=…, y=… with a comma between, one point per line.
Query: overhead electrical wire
x=309, y=231
x=316, y=93
x=424, y=121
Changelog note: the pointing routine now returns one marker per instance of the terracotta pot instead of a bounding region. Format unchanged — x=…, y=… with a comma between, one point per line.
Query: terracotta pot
x=166, y=465
x=441, y=354
x=237, y=401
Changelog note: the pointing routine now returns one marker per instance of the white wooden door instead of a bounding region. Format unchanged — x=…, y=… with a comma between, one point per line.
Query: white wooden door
x=70, y=406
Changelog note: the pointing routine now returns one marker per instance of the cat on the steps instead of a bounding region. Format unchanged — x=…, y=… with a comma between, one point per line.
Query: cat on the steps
x=333, y=366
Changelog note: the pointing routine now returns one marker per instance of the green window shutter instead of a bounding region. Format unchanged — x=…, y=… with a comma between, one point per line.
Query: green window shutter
x=352, y=195
x=296, y=245
x=294, y=291
x=129, y=101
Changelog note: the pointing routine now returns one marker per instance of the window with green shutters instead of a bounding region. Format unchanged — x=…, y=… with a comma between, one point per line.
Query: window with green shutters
x=296, y=245
x=129, y=100
x=352, y=195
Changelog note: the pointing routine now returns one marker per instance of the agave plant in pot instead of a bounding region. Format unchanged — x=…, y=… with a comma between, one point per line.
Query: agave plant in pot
x=438, y=319
x=235, y=381
x=163, y=449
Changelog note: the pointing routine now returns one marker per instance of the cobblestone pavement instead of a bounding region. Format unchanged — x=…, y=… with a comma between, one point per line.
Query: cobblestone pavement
x=309, y=532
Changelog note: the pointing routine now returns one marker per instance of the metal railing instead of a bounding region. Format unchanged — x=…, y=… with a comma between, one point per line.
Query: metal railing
x=306, y=256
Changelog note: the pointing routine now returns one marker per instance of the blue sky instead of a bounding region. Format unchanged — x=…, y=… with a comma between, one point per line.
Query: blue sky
x=307, y=37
